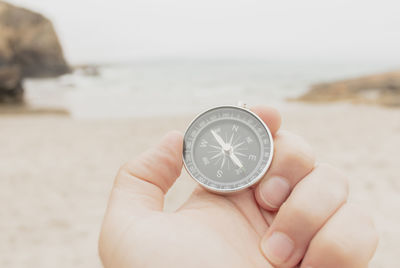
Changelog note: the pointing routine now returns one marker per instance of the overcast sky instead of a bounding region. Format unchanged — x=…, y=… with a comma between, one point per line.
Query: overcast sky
x=123, y=30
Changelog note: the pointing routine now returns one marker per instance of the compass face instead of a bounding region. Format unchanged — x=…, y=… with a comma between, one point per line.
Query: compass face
x=227, y=149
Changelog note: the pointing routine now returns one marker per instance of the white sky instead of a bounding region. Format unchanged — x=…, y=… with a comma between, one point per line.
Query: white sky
x=124, y=30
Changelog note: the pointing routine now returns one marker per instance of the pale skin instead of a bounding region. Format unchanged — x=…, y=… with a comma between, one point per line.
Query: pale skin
x=297, y=216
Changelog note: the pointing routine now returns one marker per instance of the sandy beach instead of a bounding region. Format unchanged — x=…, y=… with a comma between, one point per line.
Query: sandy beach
x=56, y=173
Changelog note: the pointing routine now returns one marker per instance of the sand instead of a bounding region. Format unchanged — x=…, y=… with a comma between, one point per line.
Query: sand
x=56, y=174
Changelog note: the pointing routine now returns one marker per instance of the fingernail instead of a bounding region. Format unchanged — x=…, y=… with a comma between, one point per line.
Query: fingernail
x=274, y=191
x=277, y=248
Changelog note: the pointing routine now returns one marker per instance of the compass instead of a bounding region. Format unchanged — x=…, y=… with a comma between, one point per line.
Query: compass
x=227, y=149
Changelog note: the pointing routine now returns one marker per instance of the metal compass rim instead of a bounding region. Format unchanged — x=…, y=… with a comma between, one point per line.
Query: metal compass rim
x=253, y=181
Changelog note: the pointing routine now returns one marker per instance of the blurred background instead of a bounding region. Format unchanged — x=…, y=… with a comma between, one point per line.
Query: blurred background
x=87, y=85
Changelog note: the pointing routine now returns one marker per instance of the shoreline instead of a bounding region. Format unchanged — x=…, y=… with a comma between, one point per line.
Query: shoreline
x=25, y=109
x=289, y=104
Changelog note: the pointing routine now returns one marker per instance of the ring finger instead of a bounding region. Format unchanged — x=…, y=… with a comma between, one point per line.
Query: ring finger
x=312, y=202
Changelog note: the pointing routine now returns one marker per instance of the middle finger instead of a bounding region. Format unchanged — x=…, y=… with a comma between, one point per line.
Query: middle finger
x=293, y=159
x=312, y=202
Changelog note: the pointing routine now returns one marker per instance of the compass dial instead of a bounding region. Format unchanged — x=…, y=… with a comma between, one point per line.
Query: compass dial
x=227, y=149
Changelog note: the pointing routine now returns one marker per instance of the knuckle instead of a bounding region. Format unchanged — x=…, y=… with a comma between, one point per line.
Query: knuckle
x=353, y=246
x=357, y=212
x=124, y=168
x=295, y=150
x=325, y=184
x=347, y=249
x=168, y=157
x=299, y=209
x=338, y=182
x=163, y=163
x=125, y=173
x=370, y=231
x=338, y=247
x=121, y=174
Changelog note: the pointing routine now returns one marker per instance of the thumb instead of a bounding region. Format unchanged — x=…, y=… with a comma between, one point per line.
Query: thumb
x=142, y=183
x=139, y=188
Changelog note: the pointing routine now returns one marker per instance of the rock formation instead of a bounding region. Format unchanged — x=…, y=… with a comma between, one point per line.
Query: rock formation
x=382, y=89
x=29, y=47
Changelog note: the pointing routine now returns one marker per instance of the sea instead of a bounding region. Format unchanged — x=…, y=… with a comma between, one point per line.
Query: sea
x=176, y=87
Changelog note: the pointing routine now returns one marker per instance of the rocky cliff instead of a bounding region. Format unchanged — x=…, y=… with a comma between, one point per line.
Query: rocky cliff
x=381, y=89
x=29, y=47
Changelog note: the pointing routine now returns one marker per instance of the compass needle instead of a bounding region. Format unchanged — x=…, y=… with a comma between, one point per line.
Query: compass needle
x=218, y=139
x=231, y=139
x=223, y=162
x=238, y=145
x=215, y=156
x=236, y=160
x=236, y=140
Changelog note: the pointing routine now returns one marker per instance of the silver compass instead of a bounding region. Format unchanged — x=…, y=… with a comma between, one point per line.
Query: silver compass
x=227, y=149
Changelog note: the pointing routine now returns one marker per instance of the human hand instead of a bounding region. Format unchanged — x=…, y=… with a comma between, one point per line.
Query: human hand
x=296, y=216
